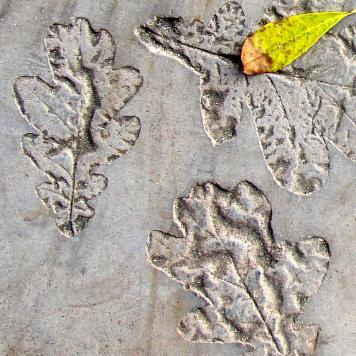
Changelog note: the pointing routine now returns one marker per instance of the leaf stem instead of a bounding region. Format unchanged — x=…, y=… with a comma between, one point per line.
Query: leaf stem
x=72, y=226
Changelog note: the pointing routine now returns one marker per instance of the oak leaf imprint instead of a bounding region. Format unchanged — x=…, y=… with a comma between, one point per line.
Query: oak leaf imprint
x=254, y=288
x=78, y=119
x=296, y=112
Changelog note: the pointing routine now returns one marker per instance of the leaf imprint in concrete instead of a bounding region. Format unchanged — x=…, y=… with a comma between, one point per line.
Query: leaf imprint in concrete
x=298, y=112
x=254, y=288
x=77, y=119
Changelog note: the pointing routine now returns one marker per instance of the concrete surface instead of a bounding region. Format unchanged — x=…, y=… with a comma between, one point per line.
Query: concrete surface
x=96, y=294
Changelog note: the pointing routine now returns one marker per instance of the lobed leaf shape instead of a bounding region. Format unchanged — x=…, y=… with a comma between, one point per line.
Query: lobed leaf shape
x=210, y=52
x=254, y=288
x=77, y=119
x=297, y=112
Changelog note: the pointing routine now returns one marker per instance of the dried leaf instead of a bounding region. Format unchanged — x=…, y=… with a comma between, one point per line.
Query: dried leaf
x=278, y=44
x=78, y=121
x=253, y=287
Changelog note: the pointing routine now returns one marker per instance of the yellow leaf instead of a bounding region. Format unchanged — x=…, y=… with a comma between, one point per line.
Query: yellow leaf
x=278, y=44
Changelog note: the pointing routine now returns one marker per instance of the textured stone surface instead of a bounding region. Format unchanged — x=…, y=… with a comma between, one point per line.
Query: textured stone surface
x=78, y=122
x=254, y=289
x=96, y=294
x=289, y=109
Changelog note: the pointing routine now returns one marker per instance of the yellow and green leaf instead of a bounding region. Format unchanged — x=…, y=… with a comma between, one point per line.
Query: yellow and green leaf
x=278, y=44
